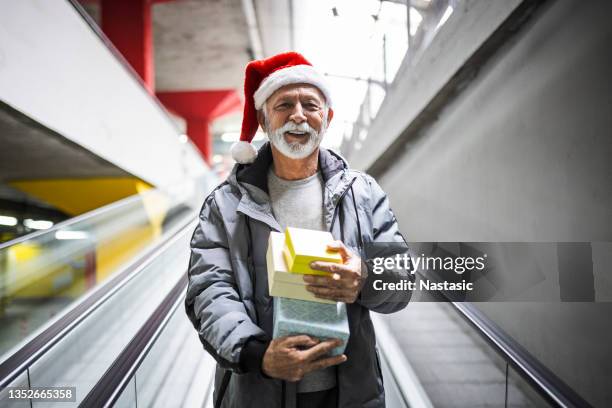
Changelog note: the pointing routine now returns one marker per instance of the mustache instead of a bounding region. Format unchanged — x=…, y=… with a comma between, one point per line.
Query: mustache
x=291, y=126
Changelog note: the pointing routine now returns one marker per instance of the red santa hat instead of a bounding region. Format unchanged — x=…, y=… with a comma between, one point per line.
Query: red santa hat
x=262, y=79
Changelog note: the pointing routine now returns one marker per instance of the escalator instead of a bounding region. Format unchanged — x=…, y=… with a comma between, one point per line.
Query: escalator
x=456, y=356
x=86, y=289
x=124, y=340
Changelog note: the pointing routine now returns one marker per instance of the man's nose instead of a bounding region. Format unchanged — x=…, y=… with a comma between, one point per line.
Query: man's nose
x=297, y=116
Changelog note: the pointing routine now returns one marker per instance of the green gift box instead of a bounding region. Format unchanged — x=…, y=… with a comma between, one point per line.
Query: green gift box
x=320, y=320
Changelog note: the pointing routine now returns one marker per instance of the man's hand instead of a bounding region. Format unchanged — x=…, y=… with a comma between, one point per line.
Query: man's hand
x=287, y=360
x=345, y=281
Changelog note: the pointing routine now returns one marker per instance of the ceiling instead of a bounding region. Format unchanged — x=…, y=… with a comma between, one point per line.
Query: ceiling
x=200, y=45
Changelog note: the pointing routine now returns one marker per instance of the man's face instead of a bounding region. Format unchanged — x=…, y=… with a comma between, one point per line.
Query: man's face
x=296, y=119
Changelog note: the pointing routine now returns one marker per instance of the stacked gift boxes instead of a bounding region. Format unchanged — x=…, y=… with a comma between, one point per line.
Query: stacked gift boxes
x=296, y=310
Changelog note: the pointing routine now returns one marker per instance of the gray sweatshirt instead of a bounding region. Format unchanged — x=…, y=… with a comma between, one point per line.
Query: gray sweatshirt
x=299, y=203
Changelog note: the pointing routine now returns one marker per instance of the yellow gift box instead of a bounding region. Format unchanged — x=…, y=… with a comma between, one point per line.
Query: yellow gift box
x=281, y=282
x=303, y=246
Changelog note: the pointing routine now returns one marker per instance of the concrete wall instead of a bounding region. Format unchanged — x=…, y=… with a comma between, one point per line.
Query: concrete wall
x=421, y=76
x=56, y=70
x=524, y=154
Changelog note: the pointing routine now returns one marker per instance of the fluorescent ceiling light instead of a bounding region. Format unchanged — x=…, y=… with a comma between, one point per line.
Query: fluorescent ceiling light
x=230, y=137
x=8, y=221
x=37, y=224
x=259, y=136
x=65, y=234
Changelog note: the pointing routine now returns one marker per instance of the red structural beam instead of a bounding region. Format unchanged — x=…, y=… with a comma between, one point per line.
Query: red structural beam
x=200, y=109
x=128, y=25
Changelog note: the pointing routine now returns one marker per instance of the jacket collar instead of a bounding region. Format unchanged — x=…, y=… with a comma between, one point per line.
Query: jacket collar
x=252, y=182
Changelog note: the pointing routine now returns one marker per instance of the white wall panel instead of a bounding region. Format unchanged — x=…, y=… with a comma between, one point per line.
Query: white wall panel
x=55, y=69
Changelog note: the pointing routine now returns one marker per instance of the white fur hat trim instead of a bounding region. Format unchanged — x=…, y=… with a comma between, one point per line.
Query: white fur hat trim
x=297, y=74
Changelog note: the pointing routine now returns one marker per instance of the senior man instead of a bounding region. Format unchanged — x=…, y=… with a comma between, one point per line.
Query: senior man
x=290, y=181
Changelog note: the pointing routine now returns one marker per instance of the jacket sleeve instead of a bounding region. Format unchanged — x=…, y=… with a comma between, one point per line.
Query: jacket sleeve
x=213, y=303
x=387, y=241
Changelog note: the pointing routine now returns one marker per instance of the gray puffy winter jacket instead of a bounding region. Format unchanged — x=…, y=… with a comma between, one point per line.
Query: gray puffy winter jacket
x=227, y=298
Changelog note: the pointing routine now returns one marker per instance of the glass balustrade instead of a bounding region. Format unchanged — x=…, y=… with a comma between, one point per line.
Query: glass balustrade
x=82, y=356
x=41, y=274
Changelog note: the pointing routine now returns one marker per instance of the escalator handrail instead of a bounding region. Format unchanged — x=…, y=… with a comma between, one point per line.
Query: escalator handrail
x=543, y=380
x=19, y=361
x=74, y=220
x=110, y=386
x=546, y=383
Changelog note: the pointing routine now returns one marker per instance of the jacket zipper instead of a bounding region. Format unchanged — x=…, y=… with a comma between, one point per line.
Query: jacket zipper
x=331, y=226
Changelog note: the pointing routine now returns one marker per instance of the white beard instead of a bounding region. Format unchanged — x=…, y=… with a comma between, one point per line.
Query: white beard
x=297, y=149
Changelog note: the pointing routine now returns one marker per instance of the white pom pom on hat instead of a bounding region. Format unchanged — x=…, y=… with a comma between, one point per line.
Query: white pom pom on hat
x=262, y=79
x=243, y=152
